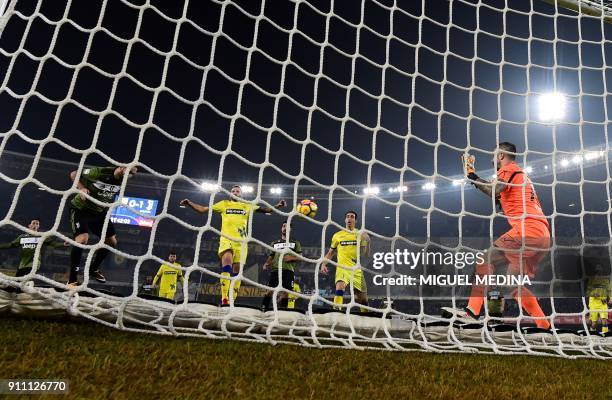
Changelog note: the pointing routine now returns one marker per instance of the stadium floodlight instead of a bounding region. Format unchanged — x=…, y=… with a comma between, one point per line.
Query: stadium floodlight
x=552, y=106
x=565, y=162
x=577, y=159
x=209, y=187
x=593, y=155
x=371, y=190
x=276, y=190
x=528, y=169
x=429, y=186
x=247, y=189
x=457, y=182
x=396, y=189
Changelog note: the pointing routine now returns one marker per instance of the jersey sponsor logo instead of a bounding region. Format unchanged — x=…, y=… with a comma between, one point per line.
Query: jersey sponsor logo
x=235, y=211
x=348, y=243
x=107, y=187
x=280, y=246
x=170, y=272
x=29, y=240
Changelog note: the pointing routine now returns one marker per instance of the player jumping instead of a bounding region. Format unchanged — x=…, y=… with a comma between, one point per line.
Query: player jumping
x=529, y=228
x=286, y=265
x=235, y=215
x=346, y=242
x=28, y=245
x=167, y=276
x=103, y=184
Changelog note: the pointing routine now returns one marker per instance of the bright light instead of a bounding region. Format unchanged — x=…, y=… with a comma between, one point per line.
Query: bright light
x=493, y=175
x=546, y=167
x=276, y=190
x=577, y=159
x=398, y=189
x=457, y=182
x=371, y=190
x=209, y=187
x=529, y=169
x=552, y=106
x=247, y=189
x=565, y=162
x=429, y=186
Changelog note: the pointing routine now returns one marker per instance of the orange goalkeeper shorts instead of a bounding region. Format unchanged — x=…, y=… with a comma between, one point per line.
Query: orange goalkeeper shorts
x=526, y=244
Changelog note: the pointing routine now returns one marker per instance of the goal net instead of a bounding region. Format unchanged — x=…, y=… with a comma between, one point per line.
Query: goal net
x=364, y=108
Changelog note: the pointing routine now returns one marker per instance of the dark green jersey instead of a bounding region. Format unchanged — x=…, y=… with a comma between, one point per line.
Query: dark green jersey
x=102, y=186
x=28, y=244
x=281, y=244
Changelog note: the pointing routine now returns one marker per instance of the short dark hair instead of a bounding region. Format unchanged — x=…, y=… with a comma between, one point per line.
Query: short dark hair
x=508, y=148
x=172, y=252
x=35, y=219
x=352, y=212
x=238, y=186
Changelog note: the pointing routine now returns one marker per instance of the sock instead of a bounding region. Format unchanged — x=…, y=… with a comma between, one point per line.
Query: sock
x=530, y=304
x=75, y=260
x=265, y=303
x=362, y=309
x=477, y=296
x=225, y=283
x=604, y=329
x=98, y=258
x=290, y=303
x=339, y=297
x=237, y=284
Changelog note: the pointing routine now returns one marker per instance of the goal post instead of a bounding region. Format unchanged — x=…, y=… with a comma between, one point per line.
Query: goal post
x=589, y=7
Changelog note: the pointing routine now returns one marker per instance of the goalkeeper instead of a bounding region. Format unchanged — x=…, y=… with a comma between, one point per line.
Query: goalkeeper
x=235, y=214
x=524, y=245
x=167, y=276
x=28, y=244
x=285, y=267
x=346, y=242
x=101, y=184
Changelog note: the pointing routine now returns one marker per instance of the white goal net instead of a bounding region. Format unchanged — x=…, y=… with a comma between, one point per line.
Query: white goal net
x=364, y=108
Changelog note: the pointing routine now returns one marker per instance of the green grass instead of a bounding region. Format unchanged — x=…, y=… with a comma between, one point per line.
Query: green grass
x=104, y=363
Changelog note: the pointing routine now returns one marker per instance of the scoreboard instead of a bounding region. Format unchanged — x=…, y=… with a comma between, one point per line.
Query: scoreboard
x=146, y=207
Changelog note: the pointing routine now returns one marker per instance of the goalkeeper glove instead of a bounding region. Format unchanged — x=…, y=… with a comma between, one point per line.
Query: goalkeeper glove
x=468, y=167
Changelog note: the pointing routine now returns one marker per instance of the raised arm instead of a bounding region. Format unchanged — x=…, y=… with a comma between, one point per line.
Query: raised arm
x=194, y=206
x=488, y=188
x=268, y=210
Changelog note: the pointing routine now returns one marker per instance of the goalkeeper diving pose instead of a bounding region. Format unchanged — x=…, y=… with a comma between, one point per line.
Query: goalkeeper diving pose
x=286, y=267
x=167, y=276
x=28, y=244
x=235, y=215
x=528, y=228
x=346, y=242
x=102, y=184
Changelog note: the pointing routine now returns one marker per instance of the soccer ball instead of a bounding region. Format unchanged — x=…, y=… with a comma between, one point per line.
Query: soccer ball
x=307, y=208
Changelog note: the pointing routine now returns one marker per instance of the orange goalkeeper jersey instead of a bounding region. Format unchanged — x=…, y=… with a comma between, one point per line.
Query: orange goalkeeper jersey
x=520, y=199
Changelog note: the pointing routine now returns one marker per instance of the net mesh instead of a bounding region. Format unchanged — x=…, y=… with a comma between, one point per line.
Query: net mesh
x=309, y=99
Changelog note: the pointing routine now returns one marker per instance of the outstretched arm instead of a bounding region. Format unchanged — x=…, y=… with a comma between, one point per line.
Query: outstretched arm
x=194, y=206
x=268, y=210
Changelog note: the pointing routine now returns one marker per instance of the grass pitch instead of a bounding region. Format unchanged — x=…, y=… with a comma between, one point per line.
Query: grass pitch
x=104, y=363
